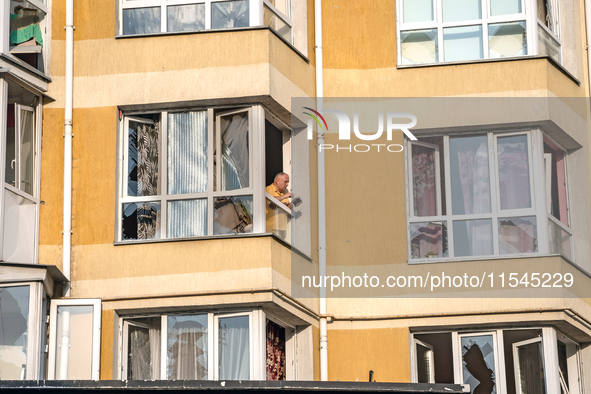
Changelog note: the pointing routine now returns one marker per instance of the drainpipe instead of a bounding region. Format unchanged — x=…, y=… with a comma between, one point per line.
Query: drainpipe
x=588, y=30
x=321, y=193
x=67, y=232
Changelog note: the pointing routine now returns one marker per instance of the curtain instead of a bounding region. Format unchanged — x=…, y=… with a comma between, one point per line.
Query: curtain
x=235, y=152
x=531, y=368
x=139, y=365
x=148, y=221
x=187, y=218
x=473, y=171
x=187, y=347
x=187, y=152
x=424, y=178
x=513, y=172
x=147, y=158
x=234, y=348
x=155, y=344
x=518, y=235
x=275, y=351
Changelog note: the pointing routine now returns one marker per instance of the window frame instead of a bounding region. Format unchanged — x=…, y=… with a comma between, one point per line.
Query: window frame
x=537, y=179
x=528, y=17
x=257, y=341
x=549, y=338
x=96, y=304
x=35, y=331
x=34, y=198
x=256, y=124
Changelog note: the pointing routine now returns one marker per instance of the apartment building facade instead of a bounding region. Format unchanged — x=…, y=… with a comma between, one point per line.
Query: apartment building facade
x=181, y=267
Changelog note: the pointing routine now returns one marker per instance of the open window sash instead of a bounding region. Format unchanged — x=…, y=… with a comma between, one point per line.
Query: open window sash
x=74, y=339
x=22, y=166
x=137, y=350
x=424, y=366
x=528, y=361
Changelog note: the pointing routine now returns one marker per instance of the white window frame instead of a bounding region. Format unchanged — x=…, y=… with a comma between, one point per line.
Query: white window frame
x=528, y=15
x=257, y=344
x=287, y=19
x=256, y=124
x=414, y=360
x=96, y=333
x=35, y=333
x=516, y=368
x=535, y=141
x=255, y=9
x=125, y=342
x=5, y=188
x=548, y=339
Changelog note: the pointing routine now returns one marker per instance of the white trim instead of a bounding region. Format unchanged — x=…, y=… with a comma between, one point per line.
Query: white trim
x=517, y=370
x=96, y=333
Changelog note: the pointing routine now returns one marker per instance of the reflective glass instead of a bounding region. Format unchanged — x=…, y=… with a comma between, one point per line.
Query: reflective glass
x=141, y=20
x=461, y=10
x=229, y=14
x=473, y=237
x=417, y=10
x=276, y=23
x=14, y=332
x=141, y=221
x=235, y=151
x=514, y=172
x=142, y=160
x=507, y=39
x=419, y=46
x=234, y=348
x=189, y=17
x=428, y=240
x=559, y=239
x=478, y=366
x=518, y=235
x=470, y=185
x=232, y=215
x=187, y=347
x=505, y=7
x=462, y=43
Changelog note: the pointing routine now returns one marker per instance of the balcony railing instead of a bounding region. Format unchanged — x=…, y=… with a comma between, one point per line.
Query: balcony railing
x=278, y=218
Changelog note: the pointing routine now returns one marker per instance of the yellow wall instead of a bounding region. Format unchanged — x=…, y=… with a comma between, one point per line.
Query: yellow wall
x=107, y=337
x=353, y=353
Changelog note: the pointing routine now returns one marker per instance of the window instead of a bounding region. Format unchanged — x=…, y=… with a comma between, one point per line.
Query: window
x=20, y=333
x=475, y=195
x=27, y=23
x=74, y=339
x=198, y=172
x=22, y=146
x=509, y=361
x=432, y=31
x=159, y=16
x=206, y=346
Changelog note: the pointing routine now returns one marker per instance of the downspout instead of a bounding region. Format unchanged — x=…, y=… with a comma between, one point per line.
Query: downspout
x=321, y=193
x=588, y=30
x=67, y=231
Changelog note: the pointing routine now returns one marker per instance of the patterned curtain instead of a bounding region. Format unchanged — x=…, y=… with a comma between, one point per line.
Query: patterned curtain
x=147, y=176
x=424, y=181
x=275, y=351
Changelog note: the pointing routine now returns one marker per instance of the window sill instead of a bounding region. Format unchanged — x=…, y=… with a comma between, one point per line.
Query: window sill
x=559, y=66
x=210, y=31
x=500, y=257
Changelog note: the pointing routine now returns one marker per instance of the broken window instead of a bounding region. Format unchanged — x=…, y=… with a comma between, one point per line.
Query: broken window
x=521, y=366
x=485, y=204
x=159, y=16
x=469, y=30
x=14, y=332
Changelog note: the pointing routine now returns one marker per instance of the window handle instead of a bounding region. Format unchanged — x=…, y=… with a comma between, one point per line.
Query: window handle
x=12, y=163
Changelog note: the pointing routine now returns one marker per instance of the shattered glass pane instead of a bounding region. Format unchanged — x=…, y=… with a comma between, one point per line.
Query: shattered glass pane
x=478, y=364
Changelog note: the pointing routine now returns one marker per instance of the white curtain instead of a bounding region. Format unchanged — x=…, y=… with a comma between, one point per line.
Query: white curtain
x=234, y=350
x=155, y=344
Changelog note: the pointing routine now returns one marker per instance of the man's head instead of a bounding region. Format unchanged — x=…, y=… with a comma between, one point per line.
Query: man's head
x=281, y=181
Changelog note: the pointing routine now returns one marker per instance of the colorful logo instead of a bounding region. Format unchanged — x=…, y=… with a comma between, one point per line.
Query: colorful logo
x=316, y=117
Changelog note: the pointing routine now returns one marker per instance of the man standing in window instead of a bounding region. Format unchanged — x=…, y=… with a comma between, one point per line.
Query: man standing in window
x=278, y=189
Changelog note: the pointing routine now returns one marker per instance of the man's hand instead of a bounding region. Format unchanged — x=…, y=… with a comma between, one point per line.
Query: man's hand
x=283, y=197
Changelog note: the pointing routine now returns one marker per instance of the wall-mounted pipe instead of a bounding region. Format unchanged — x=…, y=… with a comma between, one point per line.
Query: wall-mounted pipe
x=321, y=192
x=67, y=230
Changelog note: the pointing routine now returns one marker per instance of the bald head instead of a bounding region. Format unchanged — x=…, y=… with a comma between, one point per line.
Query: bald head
x=281, y=181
